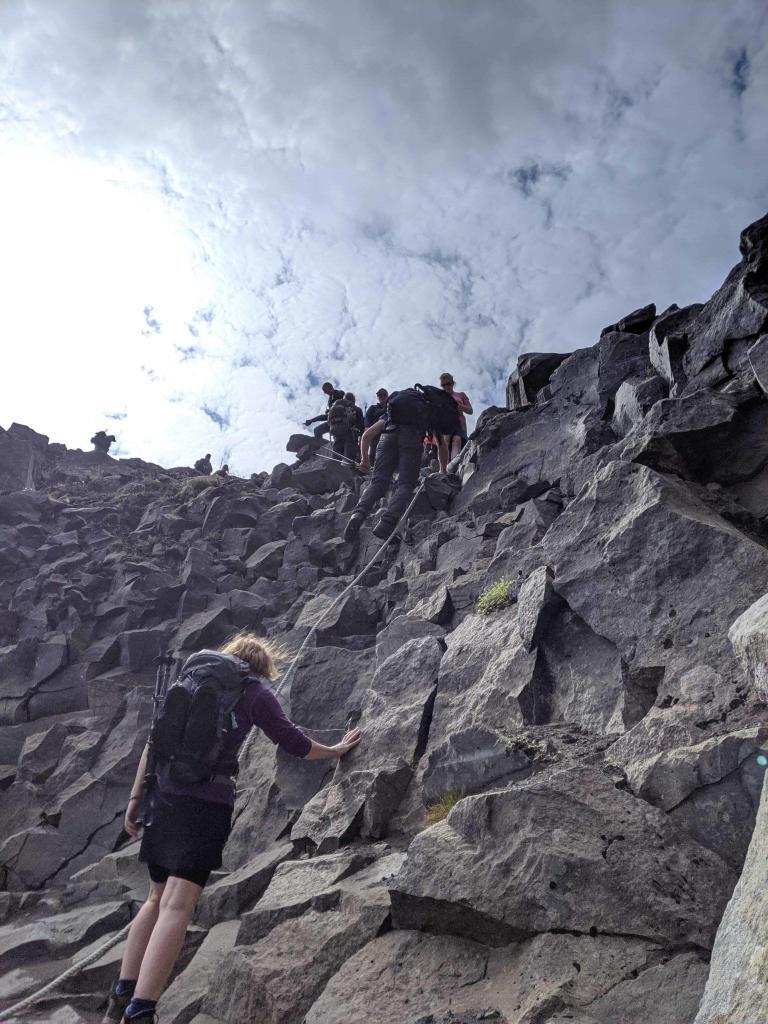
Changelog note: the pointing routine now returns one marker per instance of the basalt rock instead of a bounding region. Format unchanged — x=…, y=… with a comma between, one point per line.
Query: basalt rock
x=596, y=742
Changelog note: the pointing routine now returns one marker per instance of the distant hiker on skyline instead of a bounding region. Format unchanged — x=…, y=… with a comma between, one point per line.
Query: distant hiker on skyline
x=101, y=441
x=204, y=466
x=334, y=395
x=189, y=807
x=224, y=471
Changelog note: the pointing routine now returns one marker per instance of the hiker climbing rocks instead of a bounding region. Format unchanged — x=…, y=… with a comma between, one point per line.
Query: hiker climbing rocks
x=452, y=444
x=373, y=414
x=101, y=441
x=342, y=423
x=334, y=395
x=187, y=813
x=224, y=471
x=204, y=466
x=410, y=414
x=359, y=423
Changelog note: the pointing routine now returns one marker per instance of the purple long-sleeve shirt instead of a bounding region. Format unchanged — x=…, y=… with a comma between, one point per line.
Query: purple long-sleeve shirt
x=258, y=707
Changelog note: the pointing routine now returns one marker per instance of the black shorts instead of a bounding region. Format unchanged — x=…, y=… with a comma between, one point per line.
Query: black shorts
x=161, y=875
x=186, y=836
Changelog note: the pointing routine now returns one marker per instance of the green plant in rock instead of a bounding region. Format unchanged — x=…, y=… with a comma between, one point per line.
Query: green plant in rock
x=437, y=811
x=499, y=595
x=523, y=740
x=195, y=485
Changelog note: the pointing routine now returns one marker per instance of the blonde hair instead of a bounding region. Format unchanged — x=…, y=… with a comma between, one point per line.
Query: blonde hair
x=261, y=655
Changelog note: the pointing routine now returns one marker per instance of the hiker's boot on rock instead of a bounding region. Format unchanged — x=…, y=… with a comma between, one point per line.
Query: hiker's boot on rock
x=136, y=1013
x=352, y=529
x=384, y=528
x=116, y=1006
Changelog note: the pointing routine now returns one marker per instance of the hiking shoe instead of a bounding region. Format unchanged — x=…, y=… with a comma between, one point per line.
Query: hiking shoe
x=383, y=528
x=352, y=528
x=115, y=1007
x=142, y=1017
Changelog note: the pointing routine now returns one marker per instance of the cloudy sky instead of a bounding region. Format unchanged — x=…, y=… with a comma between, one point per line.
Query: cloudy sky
x=208, y=207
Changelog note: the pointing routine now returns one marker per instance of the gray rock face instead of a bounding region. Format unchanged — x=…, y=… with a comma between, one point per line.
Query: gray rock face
x=736, y=987
x=606, y=842
x=633, y=400
x=530, y=376
x=413, y=976
x=595, y=743
x=749, y=636
x=277, y=980
x=536, y=602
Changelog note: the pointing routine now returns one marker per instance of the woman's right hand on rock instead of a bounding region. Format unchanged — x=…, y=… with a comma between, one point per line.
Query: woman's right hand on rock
x=350, y=740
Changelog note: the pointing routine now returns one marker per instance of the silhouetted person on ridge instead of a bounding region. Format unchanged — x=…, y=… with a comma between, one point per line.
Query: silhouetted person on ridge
x=101, y=441
x=204, y=466
x=334, y=395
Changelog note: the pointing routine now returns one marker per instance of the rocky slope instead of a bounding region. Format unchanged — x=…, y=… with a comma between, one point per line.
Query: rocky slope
x=588, y=750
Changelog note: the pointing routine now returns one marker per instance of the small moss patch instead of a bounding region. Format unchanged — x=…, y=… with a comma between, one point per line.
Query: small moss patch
x=499, y=595
x=436, y=812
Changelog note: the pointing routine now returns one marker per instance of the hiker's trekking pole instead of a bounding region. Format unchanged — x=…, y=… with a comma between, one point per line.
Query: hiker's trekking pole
x=164, y=664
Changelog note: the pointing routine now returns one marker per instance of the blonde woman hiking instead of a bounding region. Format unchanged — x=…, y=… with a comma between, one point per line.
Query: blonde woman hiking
x=204, y=719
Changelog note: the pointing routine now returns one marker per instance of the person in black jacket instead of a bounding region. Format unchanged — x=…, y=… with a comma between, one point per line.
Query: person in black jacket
x=101, y=441
x=334, y=395
x=399, y=453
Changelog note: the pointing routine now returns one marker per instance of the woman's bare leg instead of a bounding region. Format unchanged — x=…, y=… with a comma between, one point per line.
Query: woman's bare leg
x=456, y=444
x=140, y=932
x=177, y=905
x=442, y=453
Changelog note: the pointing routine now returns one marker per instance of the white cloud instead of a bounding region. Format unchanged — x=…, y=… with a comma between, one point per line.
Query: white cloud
x=359, y=191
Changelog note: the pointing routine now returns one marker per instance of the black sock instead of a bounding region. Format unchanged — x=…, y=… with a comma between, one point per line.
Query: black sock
x=125, y=987
x=140, y=1009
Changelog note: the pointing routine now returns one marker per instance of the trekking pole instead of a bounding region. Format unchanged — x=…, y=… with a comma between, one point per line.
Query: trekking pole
x=331, y=458
x=336, y=455
x=164, y=664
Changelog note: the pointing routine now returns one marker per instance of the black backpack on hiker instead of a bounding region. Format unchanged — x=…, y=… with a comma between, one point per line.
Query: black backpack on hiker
x=196, y=715
x=425, y=407
x=341, y=417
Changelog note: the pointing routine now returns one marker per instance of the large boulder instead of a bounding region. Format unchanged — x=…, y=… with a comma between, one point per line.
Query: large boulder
x=656, y=570
x=578, y=979
x=737, y=990
x=533, y=859
x=749, y=637
x=370, y=782
x=531, y=374
x=277, y=980
x=58, y=935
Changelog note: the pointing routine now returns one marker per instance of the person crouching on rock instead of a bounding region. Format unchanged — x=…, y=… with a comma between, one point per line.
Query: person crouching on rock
x=189, y=824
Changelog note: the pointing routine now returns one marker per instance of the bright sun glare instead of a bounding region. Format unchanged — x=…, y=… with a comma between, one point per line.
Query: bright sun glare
x=85, y=249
